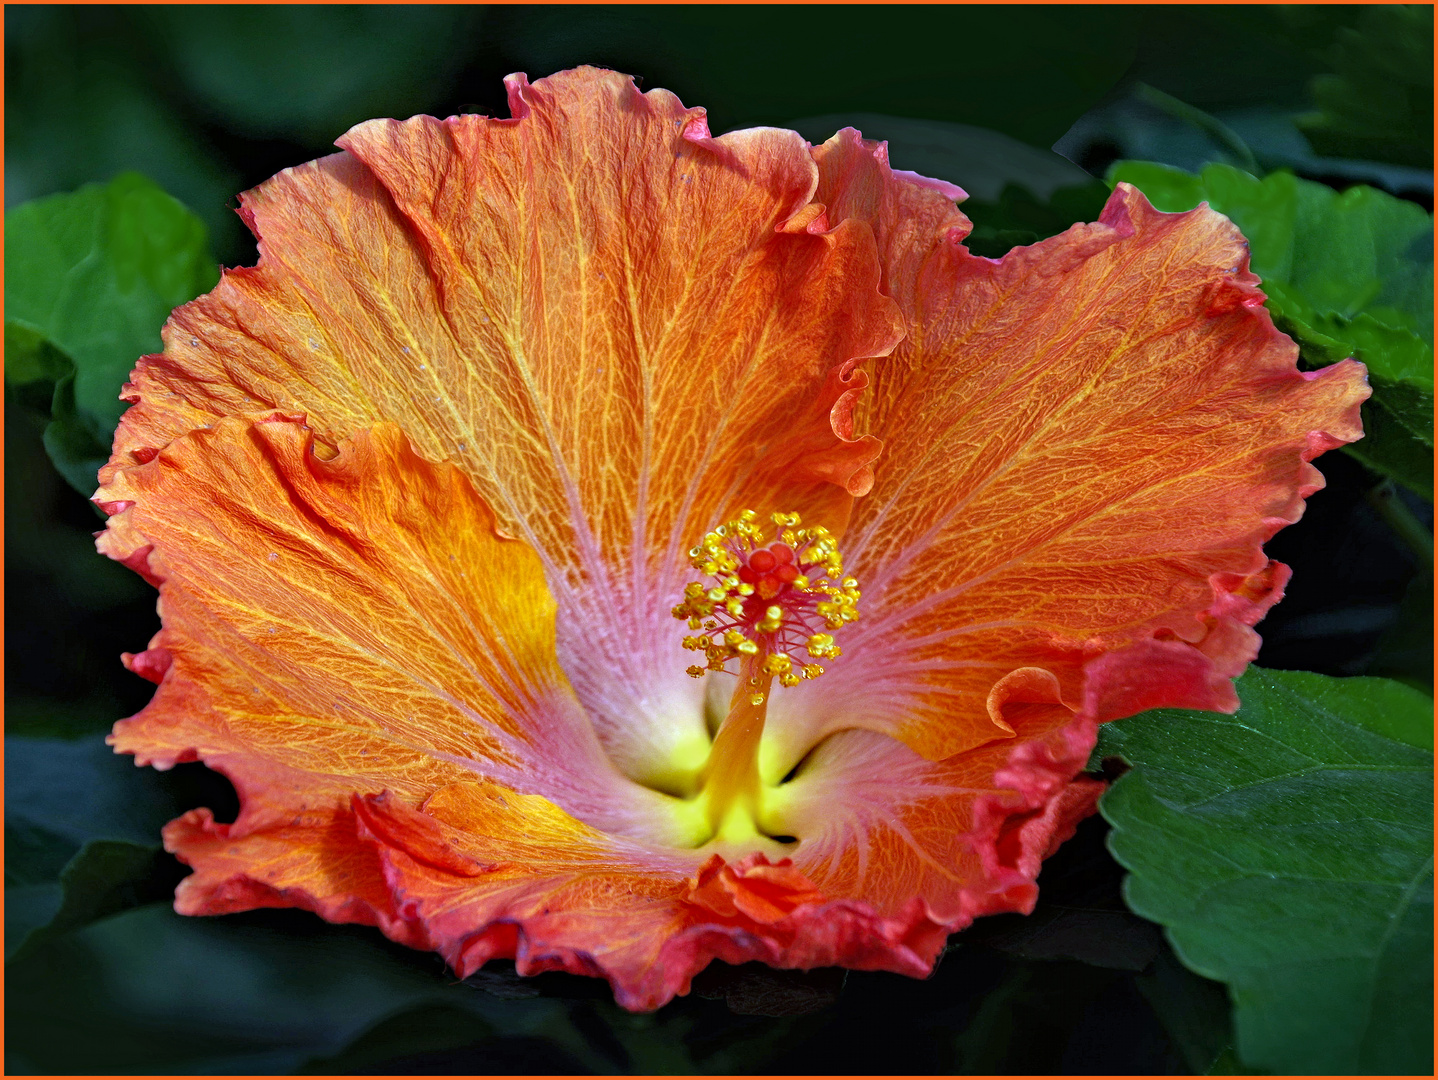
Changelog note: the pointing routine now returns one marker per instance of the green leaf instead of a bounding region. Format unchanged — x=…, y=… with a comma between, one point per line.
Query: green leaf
x=1347, y=274
x=74, y=446
x=1019, y=217
x=44, y=380
x=1379, y=101
x=82, y=830
x=104, y=878
x=1288, y=850
x=1398, y=419
x=1393, y=444
x=30, y=357
x=1339, y=253
x=90, y=279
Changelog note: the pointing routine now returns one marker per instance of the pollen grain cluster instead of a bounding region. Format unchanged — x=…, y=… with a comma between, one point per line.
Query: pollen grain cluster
x=768, y=601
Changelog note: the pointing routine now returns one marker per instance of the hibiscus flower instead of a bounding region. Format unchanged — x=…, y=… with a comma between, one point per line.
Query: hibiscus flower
x=585, y=540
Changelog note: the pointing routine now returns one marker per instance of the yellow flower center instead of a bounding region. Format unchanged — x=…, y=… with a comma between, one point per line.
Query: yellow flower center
x=767, y=601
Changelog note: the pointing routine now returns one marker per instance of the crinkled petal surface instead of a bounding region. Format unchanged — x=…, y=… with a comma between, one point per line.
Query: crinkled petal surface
x=966, y=834
x=350, y=624
x=617, y=326
x=416, y=491
x=1086, y=444
x=349, y=639
x=557, y=896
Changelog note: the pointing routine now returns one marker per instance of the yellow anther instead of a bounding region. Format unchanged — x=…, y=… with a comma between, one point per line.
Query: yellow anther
x=772, y=620
x=821, y=645
x=694, y=671
x=767, y=597
x=777, y=664
x=756, y=699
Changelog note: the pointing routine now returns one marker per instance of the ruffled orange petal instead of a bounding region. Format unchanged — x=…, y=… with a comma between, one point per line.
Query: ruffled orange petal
x=1086, y=444
x=620, y=331
x=362, y=687
x=349, y=639
x=318, y=863
x=347, y=622
x=966, y=834
x=619, y=328
x=897, y=853
x=554, y=895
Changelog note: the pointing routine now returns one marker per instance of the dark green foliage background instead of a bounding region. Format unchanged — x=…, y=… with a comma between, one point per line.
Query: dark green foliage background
x=102, y=977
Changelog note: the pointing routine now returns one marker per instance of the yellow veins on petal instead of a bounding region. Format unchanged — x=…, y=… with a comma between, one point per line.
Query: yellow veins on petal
x=768, y=601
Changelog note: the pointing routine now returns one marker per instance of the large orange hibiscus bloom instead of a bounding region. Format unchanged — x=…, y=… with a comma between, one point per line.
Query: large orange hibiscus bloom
x=424, y=491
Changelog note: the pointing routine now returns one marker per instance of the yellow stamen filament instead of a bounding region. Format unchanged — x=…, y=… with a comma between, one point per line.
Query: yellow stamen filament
x=730, y=782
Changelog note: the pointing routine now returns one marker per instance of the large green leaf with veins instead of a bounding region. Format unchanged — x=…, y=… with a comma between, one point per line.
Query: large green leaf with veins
x=90, y=278
x=1347, y=274
x=1288, y=850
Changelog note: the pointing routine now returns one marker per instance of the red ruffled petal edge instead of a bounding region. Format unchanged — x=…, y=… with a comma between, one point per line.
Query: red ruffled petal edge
x=1167, y=672
x=392, y=866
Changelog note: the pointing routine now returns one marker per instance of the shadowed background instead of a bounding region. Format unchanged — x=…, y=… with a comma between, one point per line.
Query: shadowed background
x=1025, y=107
